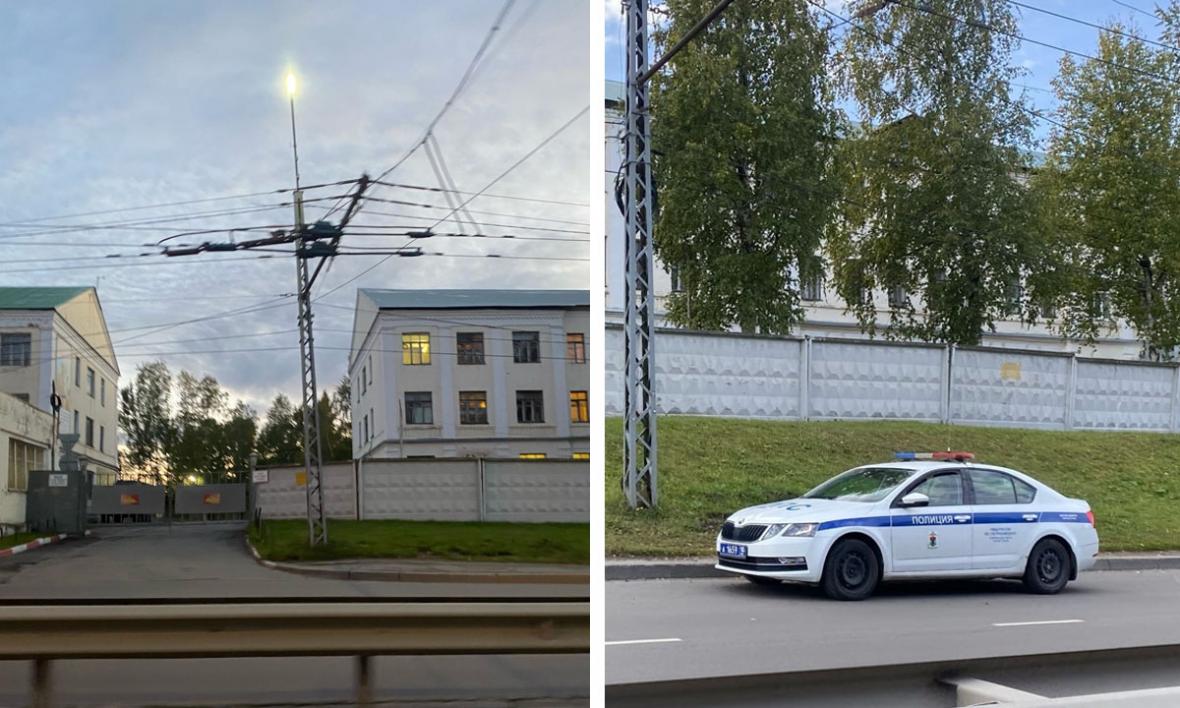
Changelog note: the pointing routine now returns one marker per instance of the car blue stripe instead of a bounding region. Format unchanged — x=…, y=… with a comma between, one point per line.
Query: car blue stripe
x=1006, y=517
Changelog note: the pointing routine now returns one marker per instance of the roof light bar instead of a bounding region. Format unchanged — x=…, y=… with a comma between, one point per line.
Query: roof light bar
x=947, y=455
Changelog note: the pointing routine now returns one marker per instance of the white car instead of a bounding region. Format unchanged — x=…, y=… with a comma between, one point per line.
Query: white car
x=927, y=515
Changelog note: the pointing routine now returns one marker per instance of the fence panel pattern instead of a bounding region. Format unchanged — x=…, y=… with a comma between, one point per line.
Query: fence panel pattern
x=730, y=374
x=440, y=490
x=284, y=494
x=536, y=490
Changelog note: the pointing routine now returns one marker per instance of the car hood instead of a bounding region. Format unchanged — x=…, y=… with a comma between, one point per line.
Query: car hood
x=801, y=510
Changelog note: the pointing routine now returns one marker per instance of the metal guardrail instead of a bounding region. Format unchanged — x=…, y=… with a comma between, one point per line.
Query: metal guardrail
x=47, y=632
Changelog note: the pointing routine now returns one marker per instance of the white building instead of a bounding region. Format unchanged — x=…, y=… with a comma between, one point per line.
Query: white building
x=470, y=373
x=25, y=433
x=55, y=339
x=825, y=314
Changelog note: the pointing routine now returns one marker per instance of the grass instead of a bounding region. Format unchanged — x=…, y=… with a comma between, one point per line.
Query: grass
x=711, y=467
x=17, y=539
x=286, y=540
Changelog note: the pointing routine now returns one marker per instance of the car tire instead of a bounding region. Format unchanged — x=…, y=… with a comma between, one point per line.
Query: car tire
x=851, y=571
x=1048, y=567
x=763, y=580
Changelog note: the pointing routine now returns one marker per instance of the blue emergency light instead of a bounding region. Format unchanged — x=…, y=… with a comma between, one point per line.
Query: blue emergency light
x=948, y=455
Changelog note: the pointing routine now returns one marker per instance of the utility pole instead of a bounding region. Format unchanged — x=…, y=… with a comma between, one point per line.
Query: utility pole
x=317, y=525
x=640, y=480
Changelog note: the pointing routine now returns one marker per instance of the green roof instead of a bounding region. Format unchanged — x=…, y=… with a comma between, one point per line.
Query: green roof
x=37, y=298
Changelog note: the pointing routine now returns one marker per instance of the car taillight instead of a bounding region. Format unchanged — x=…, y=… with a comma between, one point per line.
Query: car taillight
x=1090, y=516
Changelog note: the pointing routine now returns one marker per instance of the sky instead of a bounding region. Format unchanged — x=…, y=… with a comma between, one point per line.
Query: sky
x=118, y=104
x=1040, y=64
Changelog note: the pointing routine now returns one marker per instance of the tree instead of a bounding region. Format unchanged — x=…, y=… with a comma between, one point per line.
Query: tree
x=934, y=208
x=145, y=418
x=281, y=440
x=1111, y=184
x=742, y=132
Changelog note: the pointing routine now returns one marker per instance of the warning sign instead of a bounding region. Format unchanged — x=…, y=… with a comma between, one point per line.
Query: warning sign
x=300, y=479
x=59, y=480
x=212, y=499
x=129, y=500
x=1010, y=371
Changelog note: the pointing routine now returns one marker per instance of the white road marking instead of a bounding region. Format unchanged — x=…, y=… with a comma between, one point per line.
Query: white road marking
x=644, y=641
x=1026, y=624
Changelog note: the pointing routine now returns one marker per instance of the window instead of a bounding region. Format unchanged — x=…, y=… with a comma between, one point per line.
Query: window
x=575, y=348
x=22, y=457
x=993, y=487
x=473, y=408
x=365, y=425
x=897, y=297
x=418, y=408
x=416, y=349
x=76, y=430
x=102, y=438
x=1013, y=297
x=77, y=371
x=90, y=381
x=470, y=347
x=373, y=420
x=532, y=455
x=812, y=288
x=526, y=347
x=102, y=391
x=866, y=484
x=579, y=407
x=530, y=407
x=581, y=456
x=943, y=488
x=370, y=370
x=1102, y=305
x=89, y=432
x=16, y=349
x=677, y=285
x=364, y=381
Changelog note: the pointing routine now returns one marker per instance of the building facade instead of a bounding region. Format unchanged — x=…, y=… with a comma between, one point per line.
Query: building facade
x=470, y=373
x=825, y=314
x=25, y=433
x=54, y=340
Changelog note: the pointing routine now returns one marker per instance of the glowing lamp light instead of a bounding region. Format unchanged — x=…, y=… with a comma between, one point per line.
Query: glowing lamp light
x=291, y=83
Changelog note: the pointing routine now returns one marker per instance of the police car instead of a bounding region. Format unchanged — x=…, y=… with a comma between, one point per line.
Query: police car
x=926, y=515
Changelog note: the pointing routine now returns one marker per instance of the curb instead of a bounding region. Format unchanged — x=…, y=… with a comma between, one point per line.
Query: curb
x=412, y=576
x=35, y=543
x=703, y=567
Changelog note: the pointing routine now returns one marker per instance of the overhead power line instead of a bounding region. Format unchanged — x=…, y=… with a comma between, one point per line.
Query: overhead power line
x=1095, y=25
x=486, y=195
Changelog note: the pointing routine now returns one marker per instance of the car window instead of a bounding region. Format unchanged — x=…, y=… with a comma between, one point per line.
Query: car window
x=944, y=489
x=993, y=487
x=868, y=484
x=1024, y=491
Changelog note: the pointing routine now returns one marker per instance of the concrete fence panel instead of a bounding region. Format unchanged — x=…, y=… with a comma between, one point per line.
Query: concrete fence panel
x=613, y=396
x=1010, y=388
x=750, y=377
x=537, y=490
x=127, y=499
x=440, y=490
x=284, y=494
x=1121, y=395
x=850, y=379
x=211, y=499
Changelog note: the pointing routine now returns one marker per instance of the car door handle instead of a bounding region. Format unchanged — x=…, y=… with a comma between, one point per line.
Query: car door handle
x=1030, y=517
x=962, y=518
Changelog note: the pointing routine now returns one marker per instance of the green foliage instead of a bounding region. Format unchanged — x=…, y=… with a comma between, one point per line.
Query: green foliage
x=933, y=200
x=742, y=132
x=281, y=440
x=1111, y=193
x=145, y=418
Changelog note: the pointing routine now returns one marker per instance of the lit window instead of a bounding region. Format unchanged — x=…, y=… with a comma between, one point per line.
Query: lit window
x=575, y=348
x=418, y=408
x=16, y=349
x=579, y=407
x=530, y=407
x=473, y=407
x=532, y=455
x=470, y=347
x=416, y=349
x=581, y=456
x=526, y=347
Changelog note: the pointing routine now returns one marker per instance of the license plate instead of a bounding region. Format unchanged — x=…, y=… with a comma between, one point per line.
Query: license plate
x=733, y=550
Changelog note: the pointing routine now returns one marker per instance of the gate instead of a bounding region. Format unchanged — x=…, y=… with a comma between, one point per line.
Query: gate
x=127, y=502
x=222, y=501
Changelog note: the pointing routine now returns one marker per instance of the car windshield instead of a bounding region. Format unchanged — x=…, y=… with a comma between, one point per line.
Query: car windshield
x=869, y=484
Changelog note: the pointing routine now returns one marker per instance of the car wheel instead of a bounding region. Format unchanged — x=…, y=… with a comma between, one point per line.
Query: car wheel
x=1048, y=567
x=762, y=580
x=851, y=571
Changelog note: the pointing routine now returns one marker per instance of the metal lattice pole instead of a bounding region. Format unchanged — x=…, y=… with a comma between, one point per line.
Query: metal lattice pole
x=317, y=527
x=639, y=401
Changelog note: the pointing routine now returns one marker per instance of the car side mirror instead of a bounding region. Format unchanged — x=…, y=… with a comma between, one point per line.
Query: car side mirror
x=915, y=499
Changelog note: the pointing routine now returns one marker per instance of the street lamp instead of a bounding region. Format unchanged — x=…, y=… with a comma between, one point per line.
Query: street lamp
x=291, y=86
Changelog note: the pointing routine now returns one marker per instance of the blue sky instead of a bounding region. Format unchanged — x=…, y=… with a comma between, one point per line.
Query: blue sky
x=124, y=103
x=1039, y=63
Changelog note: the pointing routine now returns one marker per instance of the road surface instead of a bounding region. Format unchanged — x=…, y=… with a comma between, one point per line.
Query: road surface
x=681, y=629
x=195, y=561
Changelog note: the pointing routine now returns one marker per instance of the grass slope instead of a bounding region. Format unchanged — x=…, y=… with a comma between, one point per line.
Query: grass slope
x=286, y=540
x=711, y=467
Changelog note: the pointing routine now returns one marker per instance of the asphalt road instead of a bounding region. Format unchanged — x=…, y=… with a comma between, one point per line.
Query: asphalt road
x=681, y=629
x=195, y=561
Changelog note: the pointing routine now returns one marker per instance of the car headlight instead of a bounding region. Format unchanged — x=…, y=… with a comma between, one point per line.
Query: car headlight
x=789, y=530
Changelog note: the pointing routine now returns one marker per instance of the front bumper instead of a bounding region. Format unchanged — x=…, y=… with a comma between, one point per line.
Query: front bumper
x=763, y=558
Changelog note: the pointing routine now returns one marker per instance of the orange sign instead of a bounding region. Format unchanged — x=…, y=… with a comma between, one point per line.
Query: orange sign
x=129, y=499
x=300, y=479
x=212, y=499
